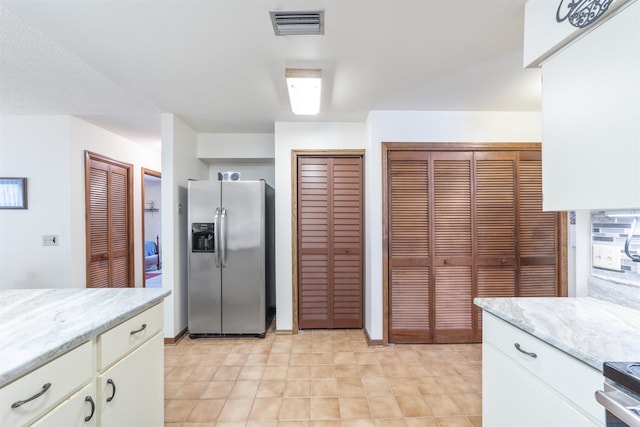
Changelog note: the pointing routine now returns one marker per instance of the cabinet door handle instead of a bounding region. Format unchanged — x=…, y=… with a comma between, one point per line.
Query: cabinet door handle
x=110, y=398
x=142, y=328
x=19, y=403
x=517, y=346
x=93, y=408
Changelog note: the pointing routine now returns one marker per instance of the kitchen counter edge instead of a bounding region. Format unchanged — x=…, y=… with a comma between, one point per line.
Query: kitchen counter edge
x=589, y=329
x=38, y=325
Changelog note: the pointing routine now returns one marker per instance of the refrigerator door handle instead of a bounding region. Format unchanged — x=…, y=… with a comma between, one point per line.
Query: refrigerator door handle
x=216, y=220
x=223, y=237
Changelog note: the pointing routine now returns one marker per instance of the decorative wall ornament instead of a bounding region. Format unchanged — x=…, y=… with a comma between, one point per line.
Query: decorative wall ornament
x=581, y=13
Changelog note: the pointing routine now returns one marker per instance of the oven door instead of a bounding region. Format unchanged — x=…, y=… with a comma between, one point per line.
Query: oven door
x=622, y=408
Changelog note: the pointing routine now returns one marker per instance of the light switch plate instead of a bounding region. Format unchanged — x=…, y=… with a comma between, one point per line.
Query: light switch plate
x=50, y=240
x=607, y=257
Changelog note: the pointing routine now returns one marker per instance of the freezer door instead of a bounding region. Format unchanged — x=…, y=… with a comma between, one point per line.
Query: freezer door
x=204, y=282
x=243, y=253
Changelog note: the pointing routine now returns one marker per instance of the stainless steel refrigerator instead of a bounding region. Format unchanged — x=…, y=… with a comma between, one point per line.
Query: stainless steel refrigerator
x=231, y=257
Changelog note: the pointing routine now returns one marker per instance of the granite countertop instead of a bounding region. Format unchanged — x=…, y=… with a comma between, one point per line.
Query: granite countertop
x=591, y=330
x=37, y=325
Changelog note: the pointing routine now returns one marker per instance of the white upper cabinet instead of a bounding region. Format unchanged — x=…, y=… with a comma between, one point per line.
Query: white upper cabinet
x=591, y=117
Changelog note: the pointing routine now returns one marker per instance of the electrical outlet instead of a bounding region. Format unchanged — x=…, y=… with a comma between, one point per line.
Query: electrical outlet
x=50, y=240
x=607, y=257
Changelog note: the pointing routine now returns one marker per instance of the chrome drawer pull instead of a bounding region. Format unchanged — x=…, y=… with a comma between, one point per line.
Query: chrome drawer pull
x=517, y=346
x=93, y=408
x=19, y=403
x=142, y=328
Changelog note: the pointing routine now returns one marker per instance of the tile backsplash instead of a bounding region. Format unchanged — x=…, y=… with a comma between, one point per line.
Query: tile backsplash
x=622, y=286
x=613, y=231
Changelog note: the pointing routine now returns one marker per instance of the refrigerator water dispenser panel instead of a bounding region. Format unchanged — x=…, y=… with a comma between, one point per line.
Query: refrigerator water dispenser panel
x=202, y=237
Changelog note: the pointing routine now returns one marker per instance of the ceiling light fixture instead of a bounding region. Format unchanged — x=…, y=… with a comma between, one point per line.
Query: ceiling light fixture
x=304, y=86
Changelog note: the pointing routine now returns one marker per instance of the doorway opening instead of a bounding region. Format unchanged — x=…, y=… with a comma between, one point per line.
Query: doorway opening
x=151, y=229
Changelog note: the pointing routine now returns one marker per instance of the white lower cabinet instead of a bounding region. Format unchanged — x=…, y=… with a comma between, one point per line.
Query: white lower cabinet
x=131, y=392
x=78, y=410
x=114, y=380
x=529, y=383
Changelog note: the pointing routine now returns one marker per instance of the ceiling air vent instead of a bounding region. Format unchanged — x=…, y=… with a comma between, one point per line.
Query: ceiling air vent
x=298, y=23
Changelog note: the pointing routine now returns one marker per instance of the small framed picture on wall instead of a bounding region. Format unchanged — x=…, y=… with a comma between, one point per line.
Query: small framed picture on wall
x=13, y=193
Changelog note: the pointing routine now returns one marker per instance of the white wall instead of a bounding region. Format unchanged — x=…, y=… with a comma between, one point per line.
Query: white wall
x=179, y=164
x=236, y=146
x=37, y=147
x=49, y=151
x=300, y=136
x=251, y=154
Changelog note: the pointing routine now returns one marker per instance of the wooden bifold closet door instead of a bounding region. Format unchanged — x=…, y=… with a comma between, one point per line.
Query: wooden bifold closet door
x=464, y=224
x=330, y=242
x=109, y=222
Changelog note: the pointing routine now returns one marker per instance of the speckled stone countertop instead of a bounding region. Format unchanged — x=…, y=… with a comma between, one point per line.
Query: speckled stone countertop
x=589, y=329
x=37, y=325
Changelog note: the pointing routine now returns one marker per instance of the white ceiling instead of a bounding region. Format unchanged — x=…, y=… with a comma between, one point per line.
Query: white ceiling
x=218, y=65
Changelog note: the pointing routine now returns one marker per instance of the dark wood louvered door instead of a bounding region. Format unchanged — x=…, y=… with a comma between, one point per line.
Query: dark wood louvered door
x=109, y=226
x=537, y=233
x=330, y=241
x=464, y=224
x=409, y=263
x=453, y=246
x=495, y=218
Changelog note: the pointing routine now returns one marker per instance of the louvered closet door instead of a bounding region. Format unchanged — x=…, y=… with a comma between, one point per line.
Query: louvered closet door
x=453, y=251
x=108, y=240
x=410, y=294
x=495, y=204
x=538, y=233
x=461, y=225
x=330, y=242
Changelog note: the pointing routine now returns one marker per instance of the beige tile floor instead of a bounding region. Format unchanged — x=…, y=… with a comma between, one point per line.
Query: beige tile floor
x=320, y=378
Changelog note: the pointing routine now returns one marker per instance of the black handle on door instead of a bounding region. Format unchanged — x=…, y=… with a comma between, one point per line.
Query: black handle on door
x=110, y=398
x=93, y=408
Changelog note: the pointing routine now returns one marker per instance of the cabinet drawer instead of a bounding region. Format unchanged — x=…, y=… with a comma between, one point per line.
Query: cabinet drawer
x=64, y=374
x=570, y=377
x=511, y=396
x=118, y=341
x=74, y=411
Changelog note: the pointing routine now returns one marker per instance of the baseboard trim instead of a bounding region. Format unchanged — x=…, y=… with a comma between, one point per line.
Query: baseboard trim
x=284, y=332
x=174, y=340
x=370, y=342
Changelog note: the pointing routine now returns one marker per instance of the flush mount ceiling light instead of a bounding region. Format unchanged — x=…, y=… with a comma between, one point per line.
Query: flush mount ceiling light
x=304, y=86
